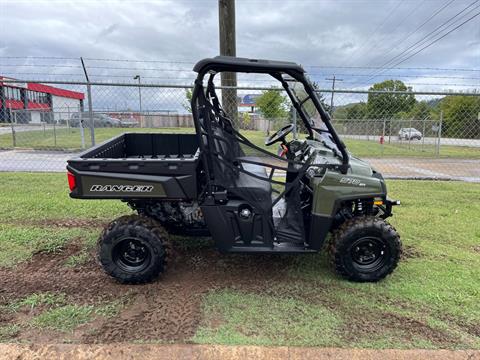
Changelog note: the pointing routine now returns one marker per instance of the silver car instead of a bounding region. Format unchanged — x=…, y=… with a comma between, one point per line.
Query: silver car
x=99, y=120
x=409, y=134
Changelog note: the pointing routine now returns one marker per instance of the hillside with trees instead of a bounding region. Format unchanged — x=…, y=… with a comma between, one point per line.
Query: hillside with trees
x=460, y=113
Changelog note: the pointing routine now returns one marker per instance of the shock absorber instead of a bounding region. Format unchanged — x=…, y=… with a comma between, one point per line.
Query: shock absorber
x=359, y=207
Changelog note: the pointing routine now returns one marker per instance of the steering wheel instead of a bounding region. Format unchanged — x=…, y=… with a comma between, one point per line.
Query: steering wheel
x=279, y=135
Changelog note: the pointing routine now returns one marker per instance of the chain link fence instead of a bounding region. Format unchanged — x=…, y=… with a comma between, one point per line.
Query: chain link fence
x=402, y=134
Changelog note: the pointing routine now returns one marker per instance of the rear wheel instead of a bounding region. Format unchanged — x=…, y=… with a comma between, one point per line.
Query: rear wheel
x=133, y=249
x=365, y=249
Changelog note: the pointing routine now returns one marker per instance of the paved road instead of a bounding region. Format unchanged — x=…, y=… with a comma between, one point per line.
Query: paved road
x=453, y=169
x=22, y=128
x=426, y=141
x=33, y=160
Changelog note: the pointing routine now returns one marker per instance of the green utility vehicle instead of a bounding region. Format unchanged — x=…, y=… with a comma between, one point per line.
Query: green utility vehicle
x=218, y=183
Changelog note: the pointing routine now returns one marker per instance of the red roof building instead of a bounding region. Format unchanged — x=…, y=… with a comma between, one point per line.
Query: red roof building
x=35, y=102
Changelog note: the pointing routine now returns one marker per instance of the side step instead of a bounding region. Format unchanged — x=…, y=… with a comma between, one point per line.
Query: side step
x=284, y=248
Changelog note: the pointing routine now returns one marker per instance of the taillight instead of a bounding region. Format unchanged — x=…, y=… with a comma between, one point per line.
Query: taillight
x=72, y=183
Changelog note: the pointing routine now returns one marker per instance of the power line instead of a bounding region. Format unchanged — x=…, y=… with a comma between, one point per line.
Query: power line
x=431, y=43
x=39, y=57
x=415, y=8
x=360, y=50
x=179, y=62
x=249, y=80
x=142, y=61
x=423, y=40
x=390, y=68
x=420, y=26
x=405, y=76
x=41, y=65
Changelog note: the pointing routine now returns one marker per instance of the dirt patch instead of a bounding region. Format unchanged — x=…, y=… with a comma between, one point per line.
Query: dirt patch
x=68, y=223
x=169, y=309
x=476, y=248
x=410, y=252
x=166, y=310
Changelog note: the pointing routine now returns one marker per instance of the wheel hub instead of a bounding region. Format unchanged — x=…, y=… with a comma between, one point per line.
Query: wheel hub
x=368, y=253
x=131, y=254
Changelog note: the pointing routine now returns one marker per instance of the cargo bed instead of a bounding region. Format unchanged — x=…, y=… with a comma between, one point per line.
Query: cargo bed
x=136, y=165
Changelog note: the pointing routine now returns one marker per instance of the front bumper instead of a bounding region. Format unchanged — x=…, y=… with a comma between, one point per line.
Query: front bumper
x=387, y=207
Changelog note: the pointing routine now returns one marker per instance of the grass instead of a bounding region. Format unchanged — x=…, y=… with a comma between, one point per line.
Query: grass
x=27, y=198
x=31, y=207
x=20, y=242
x=252, y=319
x=70, y=139
x=433, y=291
x=64, y=318
x=34, y=300
x=438, y=285
x=54, y=312
x=8, y=331
x=363, y=148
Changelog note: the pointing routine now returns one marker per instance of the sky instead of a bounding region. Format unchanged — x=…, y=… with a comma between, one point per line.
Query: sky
x=163, y=39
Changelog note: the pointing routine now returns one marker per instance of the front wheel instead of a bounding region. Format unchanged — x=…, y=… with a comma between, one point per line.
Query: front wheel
x=365, y=249
x=133, y=249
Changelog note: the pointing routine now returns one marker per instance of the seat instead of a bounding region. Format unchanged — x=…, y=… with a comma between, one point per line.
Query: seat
x=229, y=150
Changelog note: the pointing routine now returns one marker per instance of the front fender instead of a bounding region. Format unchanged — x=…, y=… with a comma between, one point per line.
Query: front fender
x=330, y=190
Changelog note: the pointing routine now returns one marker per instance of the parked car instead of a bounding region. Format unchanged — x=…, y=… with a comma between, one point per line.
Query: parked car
x=130, y=122
x=99, y=120
x=409, y=134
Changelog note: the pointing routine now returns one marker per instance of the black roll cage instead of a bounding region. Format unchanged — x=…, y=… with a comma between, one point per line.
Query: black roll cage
x=213, y=66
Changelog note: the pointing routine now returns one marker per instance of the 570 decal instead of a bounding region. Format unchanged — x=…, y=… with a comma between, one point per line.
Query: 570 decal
x=122, y=188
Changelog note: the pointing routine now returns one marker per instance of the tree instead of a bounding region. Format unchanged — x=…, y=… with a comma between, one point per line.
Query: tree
x=355, y=111
x=187, y=103
x=246, y=121
x=272, y=105
x=387, y=105
x=420, y=111
x=461, y=116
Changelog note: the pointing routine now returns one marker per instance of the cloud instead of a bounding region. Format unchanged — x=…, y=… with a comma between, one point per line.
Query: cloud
x=336, y=33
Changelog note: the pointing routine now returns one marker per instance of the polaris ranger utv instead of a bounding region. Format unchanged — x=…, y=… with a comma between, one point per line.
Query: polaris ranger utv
x=218, y=183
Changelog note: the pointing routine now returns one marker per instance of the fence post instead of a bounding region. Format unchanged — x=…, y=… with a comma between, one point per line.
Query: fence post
x=80, y=126
x=68, y=119
x=439, y=133
x=410, y=134
x=54, y=135
x=423, y=132
x=90, y=107
x=14, y=137
x=383, y=137
x=90, y=113
x=389, y=130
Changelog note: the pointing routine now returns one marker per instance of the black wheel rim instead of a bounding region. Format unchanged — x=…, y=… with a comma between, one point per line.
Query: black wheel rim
x=369, y=254
x=132, y=254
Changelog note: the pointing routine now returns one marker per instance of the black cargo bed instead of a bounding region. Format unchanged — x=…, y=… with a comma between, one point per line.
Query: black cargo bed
x=139, y=158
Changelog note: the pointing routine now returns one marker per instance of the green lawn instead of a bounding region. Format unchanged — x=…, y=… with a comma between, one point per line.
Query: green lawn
x=435, y=290
x=70, y=139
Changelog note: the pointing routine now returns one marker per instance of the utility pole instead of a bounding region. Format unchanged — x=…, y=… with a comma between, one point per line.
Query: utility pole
x=333, y=80
x=138, y=77
x=226, y=20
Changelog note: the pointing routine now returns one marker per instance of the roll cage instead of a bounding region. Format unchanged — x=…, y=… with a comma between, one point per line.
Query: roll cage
x=276, y=69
